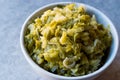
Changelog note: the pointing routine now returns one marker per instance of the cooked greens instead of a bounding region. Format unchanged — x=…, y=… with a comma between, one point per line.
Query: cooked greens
x=67, y=41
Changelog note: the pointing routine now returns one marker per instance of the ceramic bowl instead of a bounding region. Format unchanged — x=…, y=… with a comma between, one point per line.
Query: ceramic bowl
x=101, y=18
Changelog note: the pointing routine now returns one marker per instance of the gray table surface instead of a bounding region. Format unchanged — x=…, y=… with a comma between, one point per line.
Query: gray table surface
x=13, y=13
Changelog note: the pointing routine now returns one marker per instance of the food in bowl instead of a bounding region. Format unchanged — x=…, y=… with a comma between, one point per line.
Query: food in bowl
x=68, y=41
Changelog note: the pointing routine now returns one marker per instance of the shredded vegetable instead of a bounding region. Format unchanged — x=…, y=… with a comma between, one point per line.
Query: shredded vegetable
x=67, y=41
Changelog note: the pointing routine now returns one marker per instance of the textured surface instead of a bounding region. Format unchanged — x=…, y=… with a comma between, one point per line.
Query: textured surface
x=13, y=13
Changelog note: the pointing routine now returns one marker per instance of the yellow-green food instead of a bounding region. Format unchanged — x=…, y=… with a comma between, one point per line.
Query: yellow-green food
x=67, y=41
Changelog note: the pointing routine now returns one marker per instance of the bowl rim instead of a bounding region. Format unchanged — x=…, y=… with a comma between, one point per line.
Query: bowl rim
x=34, y=65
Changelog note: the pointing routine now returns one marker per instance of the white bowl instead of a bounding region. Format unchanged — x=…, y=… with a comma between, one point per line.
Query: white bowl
x=101, y=18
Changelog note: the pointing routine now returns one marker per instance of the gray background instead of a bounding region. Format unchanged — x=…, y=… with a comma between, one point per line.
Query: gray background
x=13, y=13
